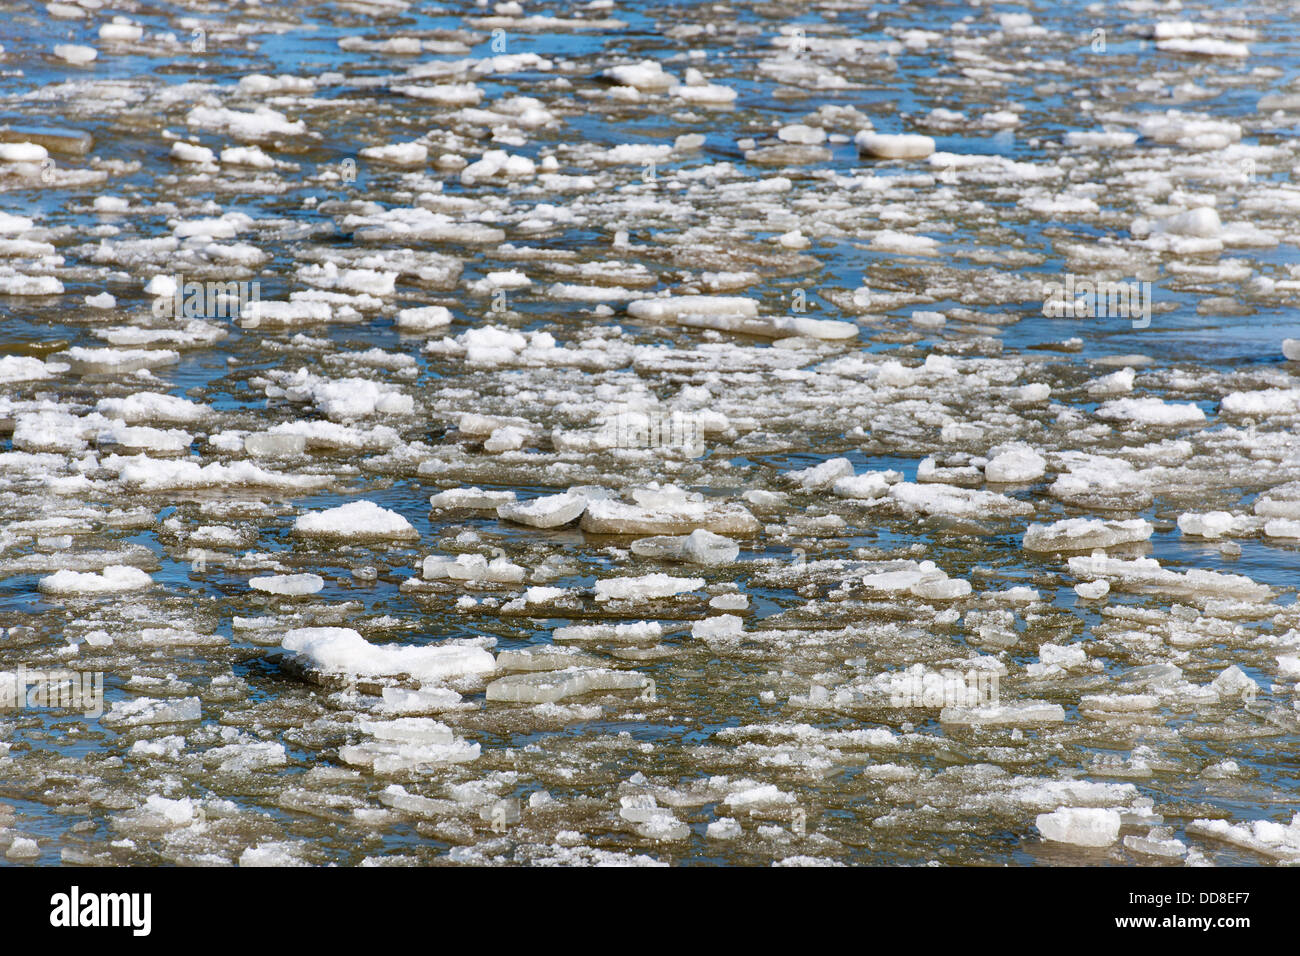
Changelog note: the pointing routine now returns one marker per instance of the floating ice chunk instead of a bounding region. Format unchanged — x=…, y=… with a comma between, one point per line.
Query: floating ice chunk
x=663, y=826
x=1099, y=139
x=151, y=474
x=444, y=94
x=247, y=156
x=697, y=90
x=1203, y=46
x=1015, y=463
x=192, y=153
x=288, y=584
x=31, y=285
x=724, y=828
x=1151, y=411
x=942, y=499
x=925, y=580
x=75, y=53
x=647, y=587
x=11, y=224
x=256, y=83
x=355, y=520
x=774, y=326
x=636, y=153
x=246, y=757
x=1103, y=704
x=551, y=686
x=114, y=579
x=1054, y=658
x=341, y=650
x=23, y=368
x=647, y=76
x=550, y=511
x=1282, y=528
x=667, y=518
x=886, y=146
x=268, y=445
x=118, y=360
x=23, y=848
x=506, y=438
x=398, y=700
x=22, y=153
x=1263, y=402
x=351, y=398
x=802, y=133
x=424, y=318
x=139, y=437
x=890, y=240
x=937, y=586
x=546, y=657
x=398, y=154
x=408, y=743
x=794, y=239
x=1081, y=826
x=1291, y=349
x=1159, y=841
x=699, y=547
x=750, y=795
x=273, y=853
x=472, y=567
x=1146, y=573
x=1202, y=223
x=297, y=312
x=1023, y=713
x=1116, y=383
x=1261, y=836
x=1015, y=22
x=721, y=627
x=1189, y=130
x=1092, y=590
x=1085, y=534
x=358, y=281
x=224, y=227
x=496, y=163
x=121, y=31
x=1280, y=503
x=821, y=476
x=868, y=486
x=674, y=308
x=410, y=730
x=475, y=499
x=145, y=711
x=1234, y=682
x=261, y=123
x=1210, y=524
x=636, y=632
x=653, y=821
x=896, y=581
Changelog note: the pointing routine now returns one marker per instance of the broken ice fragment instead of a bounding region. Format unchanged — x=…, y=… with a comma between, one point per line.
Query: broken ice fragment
x=341, y=650
x=1082, y=826
x=551, y=686
x=699, y=547
x=288, y=584
x=551, y=511
x=357, y=520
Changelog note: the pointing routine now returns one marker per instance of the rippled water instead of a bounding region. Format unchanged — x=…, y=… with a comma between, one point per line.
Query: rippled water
x=771, y=737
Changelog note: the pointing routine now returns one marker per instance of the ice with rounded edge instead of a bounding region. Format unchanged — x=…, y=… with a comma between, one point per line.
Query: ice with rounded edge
x=363, y=520
x=341, y=650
